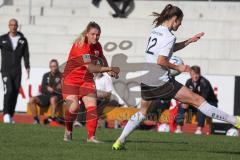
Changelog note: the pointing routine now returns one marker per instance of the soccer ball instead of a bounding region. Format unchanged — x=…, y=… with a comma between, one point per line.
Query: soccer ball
x=233, y=132
x=163, y=128
x=177, y=61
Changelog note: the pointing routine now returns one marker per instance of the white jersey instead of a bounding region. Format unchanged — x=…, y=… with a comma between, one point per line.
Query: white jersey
x=160, y=42
x=104, y=83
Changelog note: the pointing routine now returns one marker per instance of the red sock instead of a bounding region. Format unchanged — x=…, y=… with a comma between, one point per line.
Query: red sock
x=91, y=121
x=69, y=119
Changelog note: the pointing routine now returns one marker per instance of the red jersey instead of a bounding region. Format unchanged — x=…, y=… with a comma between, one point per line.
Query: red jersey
x=75, y=71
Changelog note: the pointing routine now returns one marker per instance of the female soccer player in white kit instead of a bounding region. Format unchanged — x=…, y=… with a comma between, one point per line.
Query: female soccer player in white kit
x=160, y=47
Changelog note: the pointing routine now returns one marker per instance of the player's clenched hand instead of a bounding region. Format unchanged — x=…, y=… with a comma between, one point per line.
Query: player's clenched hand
x=115, y=69
x=183, y=68
x=113, y=74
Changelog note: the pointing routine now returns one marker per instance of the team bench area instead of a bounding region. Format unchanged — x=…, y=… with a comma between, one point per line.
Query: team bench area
x=119, y=116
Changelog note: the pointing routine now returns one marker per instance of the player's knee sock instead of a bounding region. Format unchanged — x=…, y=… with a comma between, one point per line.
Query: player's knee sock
x=69, y=119
x=215, y=113
x=91, y=121
x=132, y=123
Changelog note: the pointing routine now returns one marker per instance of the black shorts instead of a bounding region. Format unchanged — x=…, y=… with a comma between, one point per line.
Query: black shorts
x=164, y=92
x=44, y=100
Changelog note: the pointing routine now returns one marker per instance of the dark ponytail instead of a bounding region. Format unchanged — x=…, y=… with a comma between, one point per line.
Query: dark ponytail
x=168, y=12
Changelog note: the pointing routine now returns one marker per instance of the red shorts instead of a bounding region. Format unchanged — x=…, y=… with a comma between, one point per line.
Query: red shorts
x=81, y=89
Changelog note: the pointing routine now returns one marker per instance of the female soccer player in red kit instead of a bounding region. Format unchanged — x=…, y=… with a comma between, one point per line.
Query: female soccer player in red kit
x=78, y=83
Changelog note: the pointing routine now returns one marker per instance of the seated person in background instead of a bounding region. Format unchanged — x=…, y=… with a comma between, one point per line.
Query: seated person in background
x=50, y=94
x=96, y=3
x=200, y=85
x=120, y=12
x=104, y=88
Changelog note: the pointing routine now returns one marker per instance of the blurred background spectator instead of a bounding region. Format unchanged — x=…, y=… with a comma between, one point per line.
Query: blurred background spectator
x=200, y=85
x=104, y=88
x=96, y=3
x=14, y=47
x=50, y=94
x=121, y=7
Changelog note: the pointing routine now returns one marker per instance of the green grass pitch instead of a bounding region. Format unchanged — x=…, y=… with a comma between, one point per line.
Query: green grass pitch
x=35, y=142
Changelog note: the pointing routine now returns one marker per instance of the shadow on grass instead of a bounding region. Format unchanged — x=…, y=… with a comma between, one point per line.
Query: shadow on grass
x=147, y=141
x=225, y=152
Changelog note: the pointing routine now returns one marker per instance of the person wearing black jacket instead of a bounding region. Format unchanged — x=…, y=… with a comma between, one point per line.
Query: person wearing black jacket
x=50, y=93
x=200, y=85
x=14, y=47
x=120, y=12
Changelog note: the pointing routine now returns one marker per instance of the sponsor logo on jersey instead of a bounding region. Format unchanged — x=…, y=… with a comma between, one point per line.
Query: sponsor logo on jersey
x=157, y=33
x=198, y=88
x=57, y=79
x=21, y=41
x=191, y=88
x=86, y=58
x=48, y=79
x=5, y=79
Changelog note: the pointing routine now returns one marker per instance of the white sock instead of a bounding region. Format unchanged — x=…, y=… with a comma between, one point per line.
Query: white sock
x=215, y=113
x=132, y=123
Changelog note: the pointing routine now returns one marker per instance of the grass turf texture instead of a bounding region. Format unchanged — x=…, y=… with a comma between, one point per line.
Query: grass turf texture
x=29, y=142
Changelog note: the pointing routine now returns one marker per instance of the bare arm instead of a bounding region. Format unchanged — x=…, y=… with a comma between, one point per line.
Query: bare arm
x=105, y=63
x=100, y=69
x=181, y=45
x=163, y=61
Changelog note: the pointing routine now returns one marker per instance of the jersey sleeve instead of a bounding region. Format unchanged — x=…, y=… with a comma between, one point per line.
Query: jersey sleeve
x=187, y=84
x=44, y=83
x=0, y=42
x=26, y=55
x=165, y=48
x=205, y=87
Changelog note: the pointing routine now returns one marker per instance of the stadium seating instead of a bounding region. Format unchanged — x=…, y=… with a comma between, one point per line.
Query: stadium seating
x=52, y=25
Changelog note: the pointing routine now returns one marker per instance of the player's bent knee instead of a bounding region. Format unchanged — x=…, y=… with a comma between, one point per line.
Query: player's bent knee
x=197, y=100
x=32, y=100
x=53, y=100
x=145, y=105
x=72, y=98
x=72, y=105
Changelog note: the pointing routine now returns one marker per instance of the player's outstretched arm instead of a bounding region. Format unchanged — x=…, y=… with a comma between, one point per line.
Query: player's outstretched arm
x=181, y=45
x=100, y=69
